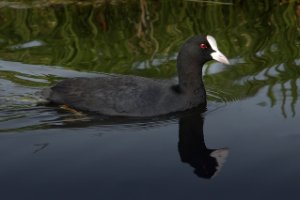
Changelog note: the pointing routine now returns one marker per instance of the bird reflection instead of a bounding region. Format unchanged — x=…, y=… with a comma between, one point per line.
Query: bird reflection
x=192, y=149
x=191, y=146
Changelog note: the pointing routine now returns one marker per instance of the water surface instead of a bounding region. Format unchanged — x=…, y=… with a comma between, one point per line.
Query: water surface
x=244, y=146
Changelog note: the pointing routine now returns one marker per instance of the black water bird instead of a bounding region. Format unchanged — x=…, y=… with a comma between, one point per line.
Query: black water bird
x=122, y=95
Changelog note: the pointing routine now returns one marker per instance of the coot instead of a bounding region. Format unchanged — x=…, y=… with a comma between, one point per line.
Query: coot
x=123, y=95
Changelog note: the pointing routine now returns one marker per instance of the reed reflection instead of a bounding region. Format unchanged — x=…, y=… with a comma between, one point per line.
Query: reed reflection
x=298, y=14
x=263, y=57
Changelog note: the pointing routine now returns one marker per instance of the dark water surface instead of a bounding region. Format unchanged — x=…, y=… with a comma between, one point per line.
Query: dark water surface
x=244, y=146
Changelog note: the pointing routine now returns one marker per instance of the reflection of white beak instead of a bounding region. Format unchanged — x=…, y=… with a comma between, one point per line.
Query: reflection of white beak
x=220, y=155
x=216, y=55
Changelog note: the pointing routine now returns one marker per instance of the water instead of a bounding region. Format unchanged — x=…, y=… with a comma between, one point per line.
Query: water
x=245, y=146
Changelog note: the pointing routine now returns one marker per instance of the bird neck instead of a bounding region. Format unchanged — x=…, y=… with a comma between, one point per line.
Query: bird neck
x=190, y=77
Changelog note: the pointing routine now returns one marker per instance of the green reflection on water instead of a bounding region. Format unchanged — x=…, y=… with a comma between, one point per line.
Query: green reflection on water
x=142, y=37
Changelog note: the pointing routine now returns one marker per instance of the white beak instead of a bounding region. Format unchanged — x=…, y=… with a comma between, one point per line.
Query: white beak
x=216, y=55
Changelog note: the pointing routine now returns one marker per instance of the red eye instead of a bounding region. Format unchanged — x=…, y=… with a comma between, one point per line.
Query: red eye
x=203, y=46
